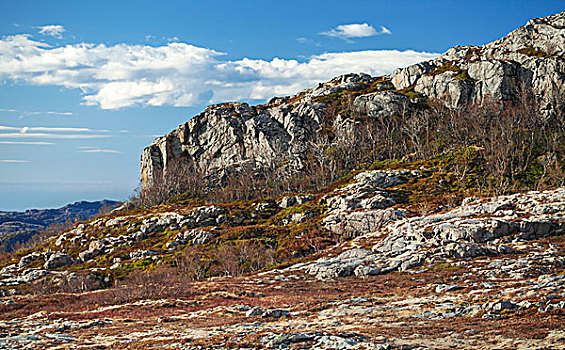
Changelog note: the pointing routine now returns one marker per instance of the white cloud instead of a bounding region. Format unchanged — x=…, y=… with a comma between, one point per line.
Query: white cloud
x=51, y=136
x=28, y=113
x=25, y=143
x=42, y=128
x=25, y=129
x=13, y=161
x=177, y=73
x=53, y=30
x=96, y=150
x=355, y=30
x=48, y=133
x=59, y=113
x=385, y=30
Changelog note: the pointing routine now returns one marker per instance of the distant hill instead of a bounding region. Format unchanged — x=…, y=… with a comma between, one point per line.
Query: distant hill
x=20, y=227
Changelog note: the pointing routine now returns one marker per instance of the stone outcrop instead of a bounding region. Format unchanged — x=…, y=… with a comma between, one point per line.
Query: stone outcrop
x=529, y=57
x=497, y=226
x=231, y=135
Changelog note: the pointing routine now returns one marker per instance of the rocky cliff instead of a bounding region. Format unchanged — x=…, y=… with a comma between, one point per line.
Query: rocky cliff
x=224, y=136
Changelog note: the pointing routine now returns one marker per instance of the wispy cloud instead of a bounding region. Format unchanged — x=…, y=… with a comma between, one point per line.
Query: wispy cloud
x=50, y=133
x=13, y=161
x=42, y=128
x=355, y=30
x=29, y=113
x=96, y=150
x=26, y=129
x=25, y=143
x=54, y=30
x=51, y=136
x=58, y=113
x=177, y=73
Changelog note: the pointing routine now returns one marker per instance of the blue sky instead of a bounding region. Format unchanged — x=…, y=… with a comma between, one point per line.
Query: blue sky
x=86, y=85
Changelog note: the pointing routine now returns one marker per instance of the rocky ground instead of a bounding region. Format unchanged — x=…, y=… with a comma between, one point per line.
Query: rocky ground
x=486, y=274
x=478, y=304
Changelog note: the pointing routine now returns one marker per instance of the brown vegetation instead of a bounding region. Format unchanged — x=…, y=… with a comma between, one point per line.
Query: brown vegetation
x=506, y=145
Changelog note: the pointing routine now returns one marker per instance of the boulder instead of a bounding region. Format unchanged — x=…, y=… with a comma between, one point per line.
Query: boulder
x=57, y=260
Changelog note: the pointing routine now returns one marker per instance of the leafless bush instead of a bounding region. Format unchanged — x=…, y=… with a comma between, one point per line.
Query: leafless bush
x=240, y=257
x=192, y=264
x=519, y=148
x=163, y=281
x=65, y=282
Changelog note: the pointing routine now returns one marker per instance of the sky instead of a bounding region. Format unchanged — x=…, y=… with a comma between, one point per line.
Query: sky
x=85, y=86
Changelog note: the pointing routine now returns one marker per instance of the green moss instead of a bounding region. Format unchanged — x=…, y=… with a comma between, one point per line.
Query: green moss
x=533, y=52
x=446, y=67
x=460, y=74
x=308, y=207
x=464, y=76
x=142, y=264
x=444, y=266
x=410, y=92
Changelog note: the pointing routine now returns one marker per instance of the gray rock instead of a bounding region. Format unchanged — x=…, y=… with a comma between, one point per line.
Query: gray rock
x=366, y=271
x=440, y=288
x=290, y=201
x=141, y=254
x=412, y=262
x=275, y=313
x=354, y=253
x=504, y=305
x=26, y=259
x=360, y=222
x=57, y=260
x=254, y=311
x=32, y=275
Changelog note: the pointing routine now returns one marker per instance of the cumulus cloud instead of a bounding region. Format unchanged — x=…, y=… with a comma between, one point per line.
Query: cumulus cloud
x=178, y=74
x=355, y=30
x=53, y=30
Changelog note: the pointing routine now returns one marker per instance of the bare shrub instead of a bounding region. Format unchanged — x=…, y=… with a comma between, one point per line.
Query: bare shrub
x=520, y=148
x=163, y=281
x=237, y=258
x=192, y=264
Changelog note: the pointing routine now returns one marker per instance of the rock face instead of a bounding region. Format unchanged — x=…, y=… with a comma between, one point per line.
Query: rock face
x=235, y=134
x=230, y=135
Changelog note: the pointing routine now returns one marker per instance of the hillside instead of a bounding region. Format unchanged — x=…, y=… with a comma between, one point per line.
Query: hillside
x=20, y=227
x=420, y=210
